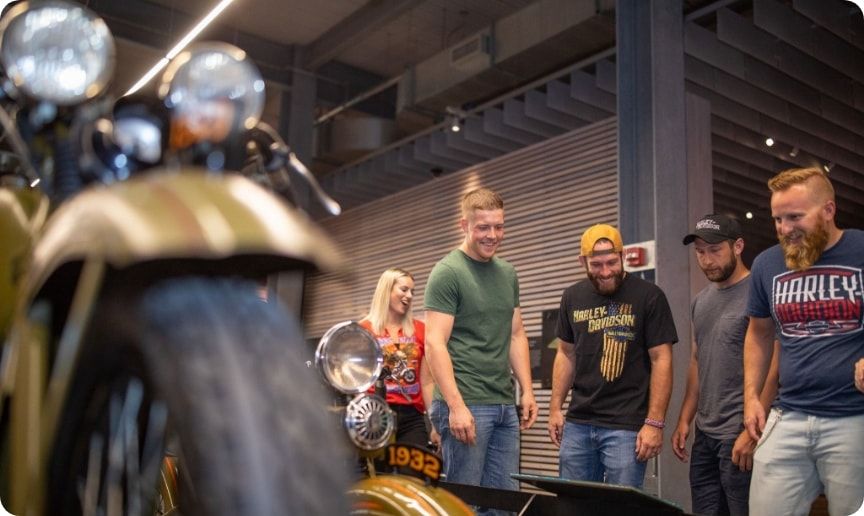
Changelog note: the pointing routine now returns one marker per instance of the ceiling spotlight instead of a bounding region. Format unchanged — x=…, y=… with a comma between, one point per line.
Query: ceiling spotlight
x=455, y=116
x=769, y=141
x=828, y=166
x=455, y=124
x=749, y=214
x=793, y=152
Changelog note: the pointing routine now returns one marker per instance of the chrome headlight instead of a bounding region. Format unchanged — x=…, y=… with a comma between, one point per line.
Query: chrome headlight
x=56, y=51
x=349, y=358
x=213, y=88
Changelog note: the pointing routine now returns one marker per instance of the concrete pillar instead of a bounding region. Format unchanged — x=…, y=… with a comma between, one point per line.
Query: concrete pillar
x=654, y=184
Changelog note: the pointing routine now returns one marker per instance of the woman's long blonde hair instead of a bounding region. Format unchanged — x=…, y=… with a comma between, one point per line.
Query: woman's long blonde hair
x=379, y=310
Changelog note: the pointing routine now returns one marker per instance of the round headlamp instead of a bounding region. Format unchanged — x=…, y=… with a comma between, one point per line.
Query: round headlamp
x=56, y=51
x=349, y=358
x=213, y=89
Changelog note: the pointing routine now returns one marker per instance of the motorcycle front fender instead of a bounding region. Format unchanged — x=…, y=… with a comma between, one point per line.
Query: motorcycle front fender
x=403, y=495
x=190, y=214
x=22, y=213
x=163, y=216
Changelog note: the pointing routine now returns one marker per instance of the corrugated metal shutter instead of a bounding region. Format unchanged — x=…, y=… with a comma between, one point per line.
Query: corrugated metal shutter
x=552, y=192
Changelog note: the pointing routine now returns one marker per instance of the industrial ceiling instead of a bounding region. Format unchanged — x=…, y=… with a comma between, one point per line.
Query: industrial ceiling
x=392, y=78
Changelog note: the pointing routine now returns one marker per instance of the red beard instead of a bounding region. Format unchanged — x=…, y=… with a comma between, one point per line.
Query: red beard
x=802, y=256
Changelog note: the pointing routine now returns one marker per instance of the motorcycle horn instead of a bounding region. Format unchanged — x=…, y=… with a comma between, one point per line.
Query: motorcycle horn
x=370, y=422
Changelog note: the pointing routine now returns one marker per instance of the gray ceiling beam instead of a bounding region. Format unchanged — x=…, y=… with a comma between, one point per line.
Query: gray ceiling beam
x=729, y=169
x=387, y=172
x=739, y=33
x=461, y=142
x=394, y=166
x=407, y=160
x=702, y=44
x=843, y=19
x=736, y=100
x=583, y=86
x=493, y=123
x=474, y=131
x=731, y=140
x=754, y=75
x=438, y=146
x=423, y=153
x=606, y=76
x=355, y=180
x=355, y=28
x=539, y=105
x=812, y=153
x=372, y=177
x=559, y=98
x=516, y=116
x=799, y=31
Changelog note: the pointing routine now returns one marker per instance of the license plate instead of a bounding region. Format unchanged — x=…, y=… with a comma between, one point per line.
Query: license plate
x=416, y=459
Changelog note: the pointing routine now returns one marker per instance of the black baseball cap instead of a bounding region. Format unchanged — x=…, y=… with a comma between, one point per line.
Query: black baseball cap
x=715, y=228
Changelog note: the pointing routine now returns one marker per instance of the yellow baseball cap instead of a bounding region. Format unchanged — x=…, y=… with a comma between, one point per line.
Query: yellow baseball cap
x=598, y=232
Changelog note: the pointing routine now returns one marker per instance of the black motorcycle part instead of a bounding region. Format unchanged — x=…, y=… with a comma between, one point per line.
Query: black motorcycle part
x=245, y=417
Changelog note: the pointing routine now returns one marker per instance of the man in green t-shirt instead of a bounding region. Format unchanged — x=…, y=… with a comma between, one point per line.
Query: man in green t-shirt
x=474, y=336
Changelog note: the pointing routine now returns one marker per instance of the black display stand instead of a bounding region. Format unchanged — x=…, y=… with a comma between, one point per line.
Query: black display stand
x=578, y=497
x=572, y=498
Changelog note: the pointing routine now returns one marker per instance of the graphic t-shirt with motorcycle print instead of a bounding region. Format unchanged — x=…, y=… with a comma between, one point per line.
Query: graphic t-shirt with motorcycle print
x=402, y=356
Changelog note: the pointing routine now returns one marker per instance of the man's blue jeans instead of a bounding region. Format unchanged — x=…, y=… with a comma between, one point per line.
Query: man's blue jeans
x=495, y=454
x=801, y=455
x=717, y=486
x=599, y=454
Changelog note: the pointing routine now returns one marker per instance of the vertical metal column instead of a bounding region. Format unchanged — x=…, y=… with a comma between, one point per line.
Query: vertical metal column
x=653, y=181
x=296, y=125
x=700, y=187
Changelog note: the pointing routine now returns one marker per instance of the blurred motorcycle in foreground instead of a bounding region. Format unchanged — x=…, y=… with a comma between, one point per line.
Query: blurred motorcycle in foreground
x=141, y=374
x=351, y=362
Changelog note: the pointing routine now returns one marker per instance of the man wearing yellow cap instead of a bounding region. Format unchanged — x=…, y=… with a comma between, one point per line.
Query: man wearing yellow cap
x=615, y=335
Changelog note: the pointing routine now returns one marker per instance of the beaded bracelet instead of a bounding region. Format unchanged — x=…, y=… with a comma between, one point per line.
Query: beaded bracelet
x=656, y=423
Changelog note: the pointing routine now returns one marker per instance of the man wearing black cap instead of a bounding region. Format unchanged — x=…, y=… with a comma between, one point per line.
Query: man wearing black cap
x=722, y=454
x=615, y=334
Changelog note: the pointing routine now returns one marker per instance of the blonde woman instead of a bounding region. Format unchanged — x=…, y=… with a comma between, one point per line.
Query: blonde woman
x=409, y=387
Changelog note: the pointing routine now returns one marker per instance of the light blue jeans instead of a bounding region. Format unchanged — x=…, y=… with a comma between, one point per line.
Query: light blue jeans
x=495, y=454
x=800, y=456
x=599, y=454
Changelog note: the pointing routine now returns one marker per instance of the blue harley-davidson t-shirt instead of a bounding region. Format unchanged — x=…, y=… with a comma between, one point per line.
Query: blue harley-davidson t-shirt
x=818, y=319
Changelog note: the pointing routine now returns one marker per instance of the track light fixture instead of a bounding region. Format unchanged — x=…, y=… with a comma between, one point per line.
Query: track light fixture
x=793, y=152
x=455, y=123
x=455, y=116
x=828, y=166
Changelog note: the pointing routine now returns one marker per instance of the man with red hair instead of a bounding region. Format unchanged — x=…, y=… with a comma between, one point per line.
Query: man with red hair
x=807, y=290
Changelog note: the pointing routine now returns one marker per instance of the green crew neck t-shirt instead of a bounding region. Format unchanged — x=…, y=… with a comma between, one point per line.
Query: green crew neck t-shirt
x=481, y=296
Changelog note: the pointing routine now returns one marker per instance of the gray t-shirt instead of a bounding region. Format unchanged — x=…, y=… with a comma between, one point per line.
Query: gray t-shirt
x=719, y=323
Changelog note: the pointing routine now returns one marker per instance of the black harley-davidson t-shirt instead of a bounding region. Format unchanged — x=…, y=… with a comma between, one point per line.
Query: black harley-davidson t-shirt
x=612, y=335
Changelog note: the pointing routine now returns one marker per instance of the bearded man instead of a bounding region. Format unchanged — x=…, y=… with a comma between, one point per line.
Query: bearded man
x=807, y=289
x=722, y=455
x=615, y=335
